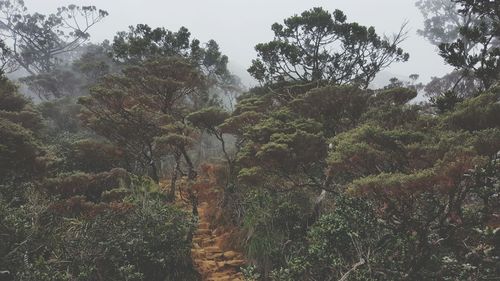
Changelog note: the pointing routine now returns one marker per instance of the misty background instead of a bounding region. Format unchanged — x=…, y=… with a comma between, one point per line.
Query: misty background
x=239, y=25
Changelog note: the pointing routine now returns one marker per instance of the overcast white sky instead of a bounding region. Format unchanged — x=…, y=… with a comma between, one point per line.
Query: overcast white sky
x=238, y=25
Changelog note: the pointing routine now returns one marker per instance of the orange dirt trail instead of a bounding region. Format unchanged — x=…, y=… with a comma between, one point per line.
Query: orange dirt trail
x=210, y=260
x=210, y=256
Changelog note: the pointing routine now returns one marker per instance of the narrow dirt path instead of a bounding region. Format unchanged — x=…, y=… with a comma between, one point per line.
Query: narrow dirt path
x=210, y=260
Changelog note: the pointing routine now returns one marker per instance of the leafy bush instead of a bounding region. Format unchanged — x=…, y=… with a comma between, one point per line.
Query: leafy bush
x=136, y=237
x=276, y=224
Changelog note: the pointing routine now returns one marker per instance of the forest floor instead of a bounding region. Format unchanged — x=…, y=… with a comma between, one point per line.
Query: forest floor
x=211, y=256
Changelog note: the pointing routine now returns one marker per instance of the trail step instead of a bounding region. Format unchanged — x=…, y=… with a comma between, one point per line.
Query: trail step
x=203, y=231
x=210, y=260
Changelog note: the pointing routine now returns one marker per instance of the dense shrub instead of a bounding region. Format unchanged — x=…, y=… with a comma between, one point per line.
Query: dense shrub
x=136, y=236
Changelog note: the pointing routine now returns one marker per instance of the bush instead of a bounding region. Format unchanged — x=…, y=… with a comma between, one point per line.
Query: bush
x=276, y=224
x=146, y=243
x=137, y=236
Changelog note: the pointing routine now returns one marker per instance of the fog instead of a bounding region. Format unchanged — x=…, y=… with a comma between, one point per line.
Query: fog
x=238, y=25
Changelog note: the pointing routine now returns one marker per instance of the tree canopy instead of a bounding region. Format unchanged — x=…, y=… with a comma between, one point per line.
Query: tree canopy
x=477, y=49
x=321, y=46
x=36, y=41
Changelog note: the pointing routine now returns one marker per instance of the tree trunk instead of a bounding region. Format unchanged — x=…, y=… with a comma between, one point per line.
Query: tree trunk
x=228, y=159
x=175, y=175
x=154, y=172
x=191, y=171
x=317, y=205
x=319, y=200
x=193, y=198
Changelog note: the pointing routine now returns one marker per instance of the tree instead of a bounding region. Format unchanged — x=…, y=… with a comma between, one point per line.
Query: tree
x=57, y=83
x=477, y=50
x=91, y=156
x=284, y=144
x=462, y=85
x=443, y=20
x=419, y=181
x=22, y=156
x=411, y=84
x=443, y=25
x=95, y=63
x=142, y=42
x=135, y=109
x=391, y=189
x=210, y=119
x=320, y=46
x=37, y=41
x=61, y=117
x=74, y=78
x=5, y=58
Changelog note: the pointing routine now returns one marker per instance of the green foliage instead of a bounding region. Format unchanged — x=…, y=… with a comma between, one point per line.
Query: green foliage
x=57, y=83
x=336, y=108
x=95, y=63
x=369, y=149
x=250, y=273
x=39, y=41
x=452, y=88
x=11, y=100
x=282, y=144
x=142, y=43
x=17, y=109
x=61, y=115
x=443, y=20
x=19, y=151
x=396, y=96
x=148, y=243
x=397, y=187
x=446, y=101
x=144, y=241
x=276, y=224
x=88, y=155
x=145, y=105
x=90, y=185
x=208, y=118
x=476, y=49
x=21, y=155
x=74, y=217
x=477, y=113
x=321, y=46
x=340, y=239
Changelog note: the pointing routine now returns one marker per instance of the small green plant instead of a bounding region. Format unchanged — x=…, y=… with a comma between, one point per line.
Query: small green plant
x=250, y=273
